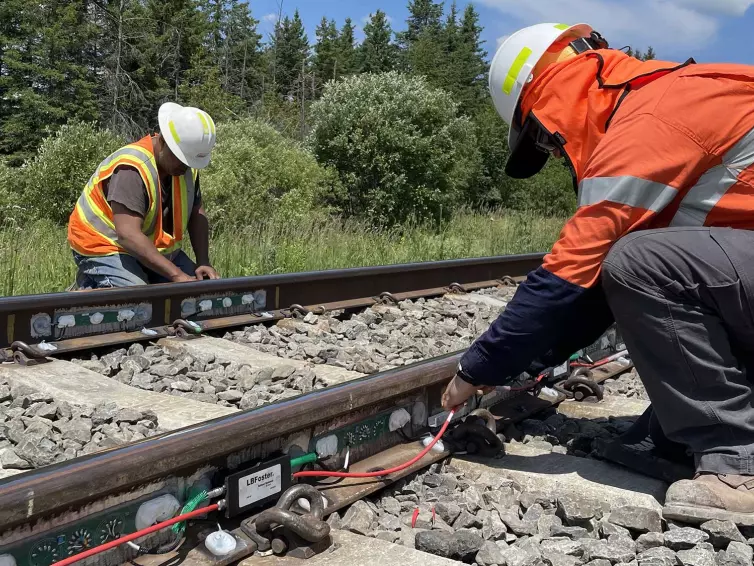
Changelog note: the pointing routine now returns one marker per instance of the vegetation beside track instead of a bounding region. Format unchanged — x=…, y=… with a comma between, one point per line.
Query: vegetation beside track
x=34, y=256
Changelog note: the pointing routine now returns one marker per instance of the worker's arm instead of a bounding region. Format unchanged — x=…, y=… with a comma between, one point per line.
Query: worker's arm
x=198, y=228
x=633, y=175
x=132, y=239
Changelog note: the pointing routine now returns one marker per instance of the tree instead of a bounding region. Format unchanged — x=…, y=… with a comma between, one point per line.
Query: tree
x=647, y=56
x=424, y=16
x=377, y=53
x=451, y=32
x=46, y=71
x=347, y=63
x=240, y=50
x=120, y=91
x=291, y=54
x=469, y=62
x=178, y=29
x=325, y=61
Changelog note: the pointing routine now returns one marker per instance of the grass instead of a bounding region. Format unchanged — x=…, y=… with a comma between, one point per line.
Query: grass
x=36, y=259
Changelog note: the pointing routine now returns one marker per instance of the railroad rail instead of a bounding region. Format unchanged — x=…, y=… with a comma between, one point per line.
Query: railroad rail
x=362, y=423
x=36, y=326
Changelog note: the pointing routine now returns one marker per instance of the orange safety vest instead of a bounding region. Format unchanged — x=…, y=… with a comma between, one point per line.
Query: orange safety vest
x=91, y=230
x=651, y=145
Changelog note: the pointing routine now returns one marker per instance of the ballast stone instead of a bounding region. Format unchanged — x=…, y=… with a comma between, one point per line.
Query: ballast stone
x=722, y=533
x=638, y=519
x=737, y=554
x=684, y=538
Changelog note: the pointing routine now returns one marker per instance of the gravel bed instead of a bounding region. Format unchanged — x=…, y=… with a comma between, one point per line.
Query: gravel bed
x=36, y=430
x=489, y=520
x=371, y=341
x=203, y=378
x=379, y=338
x=627, y=385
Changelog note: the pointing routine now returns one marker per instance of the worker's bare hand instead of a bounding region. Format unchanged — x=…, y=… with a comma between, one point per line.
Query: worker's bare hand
x=182, y=278
x=206, y=271
x=458, y=392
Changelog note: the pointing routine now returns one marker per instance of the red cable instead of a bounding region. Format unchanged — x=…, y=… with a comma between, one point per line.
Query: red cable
x=530, y=385
x=381, y=473
x=137, y=534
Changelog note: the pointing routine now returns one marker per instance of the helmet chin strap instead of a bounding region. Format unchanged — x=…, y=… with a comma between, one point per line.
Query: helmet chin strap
x=593, y=42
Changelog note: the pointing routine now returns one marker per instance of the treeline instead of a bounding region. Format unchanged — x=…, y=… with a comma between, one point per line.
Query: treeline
x=116, y=61
x=113, y=62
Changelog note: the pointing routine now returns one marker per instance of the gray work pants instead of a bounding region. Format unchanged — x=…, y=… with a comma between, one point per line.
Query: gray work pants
x=682, y=298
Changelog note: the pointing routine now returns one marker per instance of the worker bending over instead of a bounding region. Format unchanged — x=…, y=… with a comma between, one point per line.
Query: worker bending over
x=661, y=156
x=129, y=224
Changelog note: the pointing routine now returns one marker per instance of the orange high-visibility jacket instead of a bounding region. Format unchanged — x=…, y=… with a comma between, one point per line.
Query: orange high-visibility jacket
x=91, y=230
x=650, y=145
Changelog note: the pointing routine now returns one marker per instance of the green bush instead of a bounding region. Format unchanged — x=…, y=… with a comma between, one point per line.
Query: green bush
x=52, y=181
x=256, y=173
x=550, y=192
x=11, y=202
x=399, y=146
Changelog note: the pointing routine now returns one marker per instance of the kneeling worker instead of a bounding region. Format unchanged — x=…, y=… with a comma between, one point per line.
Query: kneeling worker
x=662, y=157
x=129, y=224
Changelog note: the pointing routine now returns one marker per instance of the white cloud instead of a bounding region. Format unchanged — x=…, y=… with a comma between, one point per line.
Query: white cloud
x=725, y=7
x=668, y=24
x=270, y=18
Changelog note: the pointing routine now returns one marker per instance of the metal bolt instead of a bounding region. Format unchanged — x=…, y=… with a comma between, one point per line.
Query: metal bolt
x=279, y=546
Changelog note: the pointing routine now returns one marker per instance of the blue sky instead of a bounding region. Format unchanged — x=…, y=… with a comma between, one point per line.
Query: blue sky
x=708, y=30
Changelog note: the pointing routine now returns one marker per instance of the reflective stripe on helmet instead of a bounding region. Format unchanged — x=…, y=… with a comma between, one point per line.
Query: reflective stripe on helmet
x=518, y=63
x=173, y=131
x=205, y=125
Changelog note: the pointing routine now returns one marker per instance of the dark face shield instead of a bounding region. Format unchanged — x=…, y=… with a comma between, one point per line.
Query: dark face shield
x=532, y=147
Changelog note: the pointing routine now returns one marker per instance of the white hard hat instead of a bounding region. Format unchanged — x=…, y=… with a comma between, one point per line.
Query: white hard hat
x=189, y=133
x=514, y=63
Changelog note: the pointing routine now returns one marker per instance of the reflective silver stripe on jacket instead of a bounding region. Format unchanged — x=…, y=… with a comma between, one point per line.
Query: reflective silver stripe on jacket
x=704, y=196
x=631, y=191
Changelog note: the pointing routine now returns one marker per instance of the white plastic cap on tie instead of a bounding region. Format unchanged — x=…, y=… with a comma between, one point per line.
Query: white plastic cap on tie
x=220, y=542
x=189, y=132
x=515, y=60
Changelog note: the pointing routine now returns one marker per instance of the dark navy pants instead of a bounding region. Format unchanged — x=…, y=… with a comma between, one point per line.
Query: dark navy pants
x=683, y=298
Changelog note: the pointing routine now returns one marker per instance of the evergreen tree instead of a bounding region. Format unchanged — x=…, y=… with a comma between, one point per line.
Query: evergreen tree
x=469, y=62
x=120, y=90
x=450, y=32
x=325, y=61
x=347, y=63
x=240, y=50
x=424, y=16
x=47, y=66
x=647, y=56
x=377, y=53
x=290, y=54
